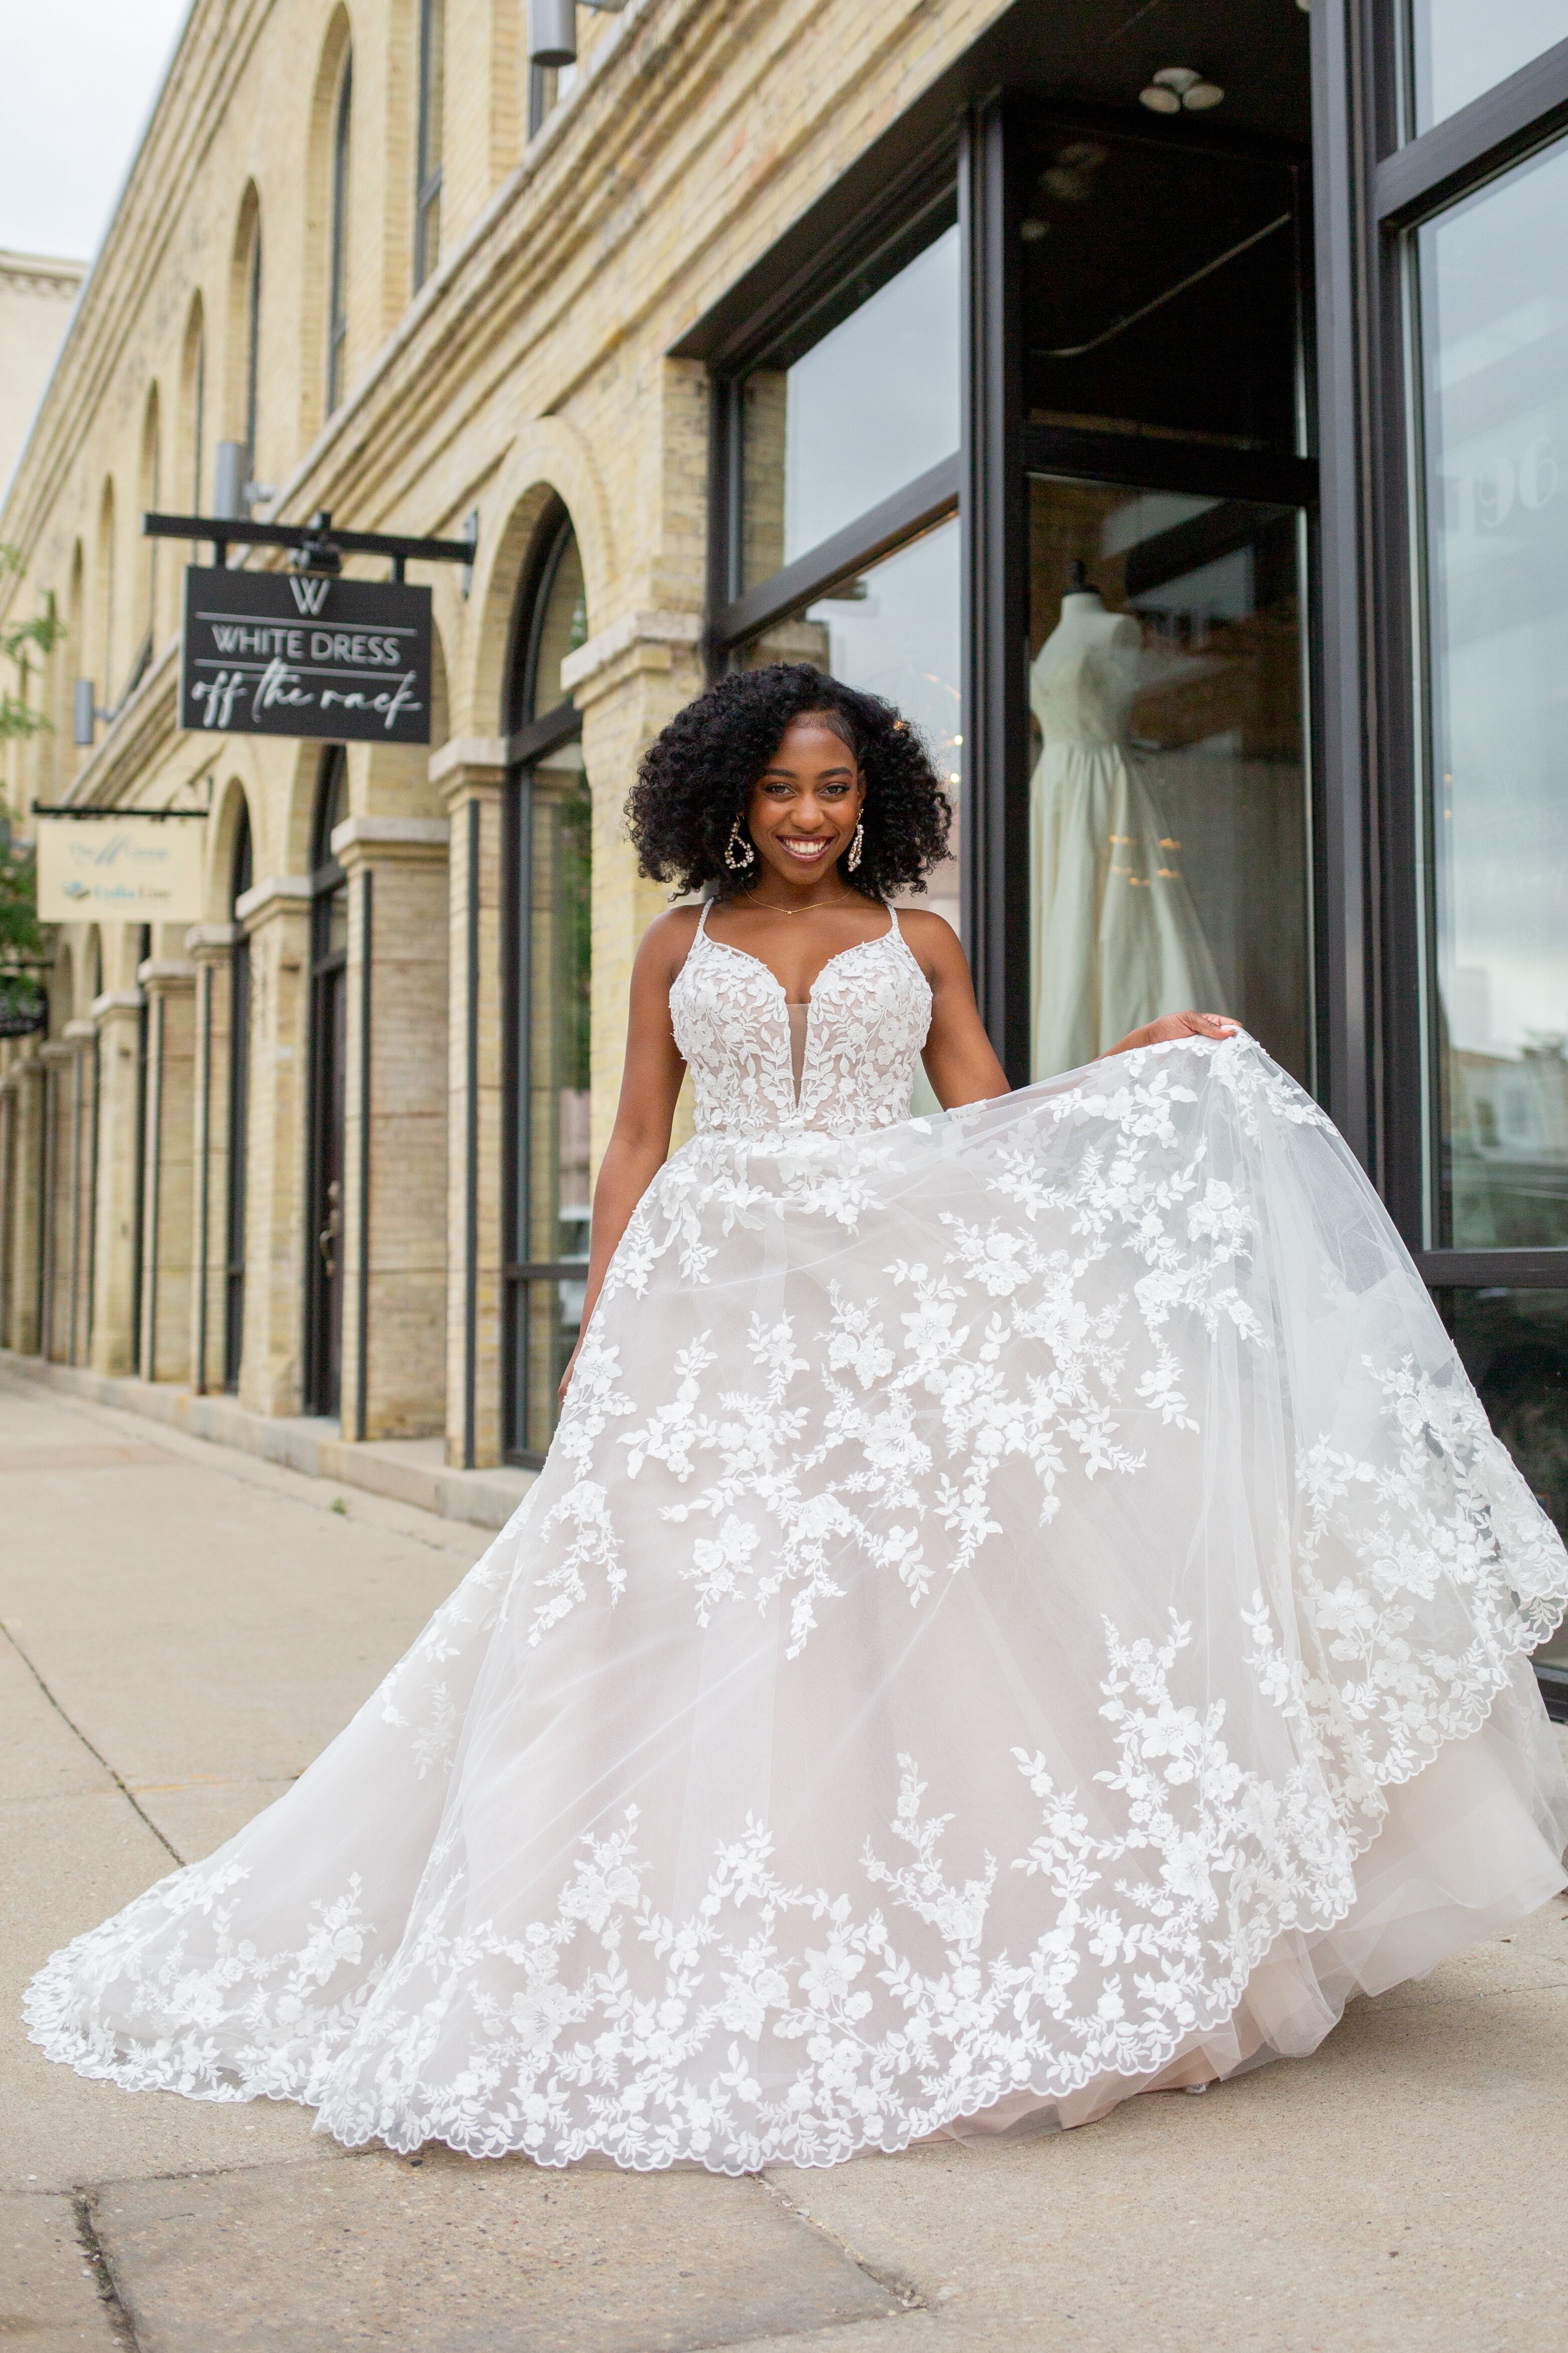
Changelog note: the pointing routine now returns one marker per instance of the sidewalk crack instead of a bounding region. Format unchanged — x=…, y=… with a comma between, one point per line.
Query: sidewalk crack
x=102, y=2272
x=121, y=1784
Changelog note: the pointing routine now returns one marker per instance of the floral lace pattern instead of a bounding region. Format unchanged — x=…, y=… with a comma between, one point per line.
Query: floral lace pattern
x=992, y=1579
x=870, y=1011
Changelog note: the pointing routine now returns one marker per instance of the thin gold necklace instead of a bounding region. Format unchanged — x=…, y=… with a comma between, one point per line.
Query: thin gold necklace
x=768, y=907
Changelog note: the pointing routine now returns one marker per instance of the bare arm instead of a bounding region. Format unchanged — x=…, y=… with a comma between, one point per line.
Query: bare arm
x=1175, y=1025
x=960, y=1060
x=650, y=1081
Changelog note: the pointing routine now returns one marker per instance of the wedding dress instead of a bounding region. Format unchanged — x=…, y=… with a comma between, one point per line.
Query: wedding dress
x=1022, y=1606
x=1114, y=937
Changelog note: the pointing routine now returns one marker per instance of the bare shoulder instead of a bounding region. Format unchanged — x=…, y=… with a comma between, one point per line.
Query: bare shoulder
x=667, y=942
x=934, y=945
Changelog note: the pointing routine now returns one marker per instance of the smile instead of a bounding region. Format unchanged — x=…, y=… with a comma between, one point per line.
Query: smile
x=805, y=850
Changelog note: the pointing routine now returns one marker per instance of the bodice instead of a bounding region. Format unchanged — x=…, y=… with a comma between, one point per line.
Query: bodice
x=869, y=1011
x=1083, y=683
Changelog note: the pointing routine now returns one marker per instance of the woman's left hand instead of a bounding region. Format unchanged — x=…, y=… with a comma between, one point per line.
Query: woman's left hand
x=1178, y=1025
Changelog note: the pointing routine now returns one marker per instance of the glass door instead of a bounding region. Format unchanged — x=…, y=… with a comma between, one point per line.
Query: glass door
x=1168, y=823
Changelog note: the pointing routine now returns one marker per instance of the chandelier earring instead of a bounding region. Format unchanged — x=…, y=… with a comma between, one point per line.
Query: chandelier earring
x=853, y=861
x=738, y=865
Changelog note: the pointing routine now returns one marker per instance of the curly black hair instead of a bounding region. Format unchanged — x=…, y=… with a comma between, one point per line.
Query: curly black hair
x=696, y=778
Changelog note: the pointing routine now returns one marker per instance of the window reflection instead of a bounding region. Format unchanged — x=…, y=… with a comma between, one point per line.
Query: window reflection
x=1460, y=47
x=555, y=846
x=1167, y=819
x=894, y=631
x=1494, y=320
x=1158, y=289
x=1514, y=1345
x=871, y=404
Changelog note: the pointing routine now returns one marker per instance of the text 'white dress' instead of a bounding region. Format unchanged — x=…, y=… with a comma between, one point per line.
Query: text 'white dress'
x=1022, y=1604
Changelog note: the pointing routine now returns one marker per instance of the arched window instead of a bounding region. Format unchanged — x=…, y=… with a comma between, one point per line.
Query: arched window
x=242, y=874
x=252, y=350
x=547, y=858
x=193, y=407
x=149, y=490
x=430, y=142
x=329, y=1050
x=105, y=594
x=338, y=276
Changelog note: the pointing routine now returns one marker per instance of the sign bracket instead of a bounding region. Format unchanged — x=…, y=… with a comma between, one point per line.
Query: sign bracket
x=316, y=546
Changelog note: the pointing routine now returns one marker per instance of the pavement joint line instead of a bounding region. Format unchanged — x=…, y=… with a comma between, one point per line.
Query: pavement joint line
x=887, y=2277
x=119, y=1780
x=211, y=1454
x=102, y=2270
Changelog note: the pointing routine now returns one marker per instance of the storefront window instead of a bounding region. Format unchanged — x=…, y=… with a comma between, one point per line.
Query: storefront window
x=556, y=823
x=870, y=405
x=1494, y=337
x=1168, y=832
x=893, y=630
x=549, y=972
x=1461, y=48
x=1514, y=1345
x=1158, y=290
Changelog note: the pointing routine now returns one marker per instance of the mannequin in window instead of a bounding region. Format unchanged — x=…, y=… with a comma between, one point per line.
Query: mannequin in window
x=1114, y=938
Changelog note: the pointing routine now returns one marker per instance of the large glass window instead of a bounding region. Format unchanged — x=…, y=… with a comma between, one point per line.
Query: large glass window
x=338, y=273
x=1493, y=276
x=238, y=1111
x=1159, y=286
x=329, y=1065
x=1460, y=47
x=431, y=138
x=548, y=865
x=893, y=630
x=1168, y=834
x=868, y=406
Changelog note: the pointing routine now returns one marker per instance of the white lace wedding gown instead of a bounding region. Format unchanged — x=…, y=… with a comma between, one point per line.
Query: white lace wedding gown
x=1022, y=1605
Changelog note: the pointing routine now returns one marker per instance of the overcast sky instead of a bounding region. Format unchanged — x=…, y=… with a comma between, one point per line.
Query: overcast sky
x=79, y=81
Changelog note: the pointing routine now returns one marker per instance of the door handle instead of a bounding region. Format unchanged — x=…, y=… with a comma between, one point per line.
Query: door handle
x=331, y=1229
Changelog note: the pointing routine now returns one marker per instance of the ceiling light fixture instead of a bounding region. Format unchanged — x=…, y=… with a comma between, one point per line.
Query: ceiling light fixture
x=1175, y=87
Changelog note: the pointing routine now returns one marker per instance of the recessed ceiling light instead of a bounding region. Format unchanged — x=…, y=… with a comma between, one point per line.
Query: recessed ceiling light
x=1175, y=87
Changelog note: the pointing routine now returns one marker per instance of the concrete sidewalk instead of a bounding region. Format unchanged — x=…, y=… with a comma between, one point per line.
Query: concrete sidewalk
x=184, y=1626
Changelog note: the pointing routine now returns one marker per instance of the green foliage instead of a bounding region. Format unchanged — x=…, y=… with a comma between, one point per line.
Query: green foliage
x=19, y=642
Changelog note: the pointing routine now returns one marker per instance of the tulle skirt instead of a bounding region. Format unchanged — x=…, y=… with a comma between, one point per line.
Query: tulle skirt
x=1024, y=1606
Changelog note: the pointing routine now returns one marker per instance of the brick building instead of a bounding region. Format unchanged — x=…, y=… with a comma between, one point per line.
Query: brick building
x=858, y=335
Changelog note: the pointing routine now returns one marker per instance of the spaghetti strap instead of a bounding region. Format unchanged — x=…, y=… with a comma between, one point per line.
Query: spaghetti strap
x=701, y=923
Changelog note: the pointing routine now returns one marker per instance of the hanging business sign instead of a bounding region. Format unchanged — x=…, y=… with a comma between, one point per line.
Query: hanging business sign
x=304, y=653
x=135, y=870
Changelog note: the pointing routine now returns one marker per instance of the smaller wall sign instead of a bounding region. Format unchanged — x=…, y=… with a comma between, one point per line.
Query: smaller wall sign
x=134, y=870
x=303, y=654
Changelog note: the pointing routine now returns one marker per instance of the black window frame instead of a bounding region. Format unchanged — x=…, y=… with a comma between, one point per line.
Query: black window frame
x=322, y=1393
x=532, y=737
x=1394, y=186
x=972, y=173
x=241, y=878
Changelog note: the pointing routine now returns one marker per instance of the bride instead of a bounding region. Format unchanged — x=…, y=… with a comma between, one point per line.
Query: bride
x=1023, y=1607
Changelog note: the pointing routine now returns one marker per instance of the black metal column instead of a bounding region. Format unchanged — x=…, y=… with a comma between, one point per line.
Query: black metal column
x=993, y=522
x=1347, y=733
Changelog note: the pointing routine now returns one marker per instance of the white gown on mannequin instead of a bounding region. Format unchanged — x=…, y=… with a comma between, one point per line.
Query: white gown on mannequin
x=1114, y=938
x=1022, y=1605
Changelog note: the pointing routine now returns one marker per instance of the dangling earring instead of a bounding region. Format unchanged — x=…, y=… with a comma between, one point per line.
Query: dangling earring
x=738, y=865
x=853, y=861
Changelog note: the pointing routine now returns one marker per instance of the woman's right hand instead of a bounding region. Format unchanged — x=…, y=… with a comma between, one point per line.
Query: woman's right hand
x=1177, y=1025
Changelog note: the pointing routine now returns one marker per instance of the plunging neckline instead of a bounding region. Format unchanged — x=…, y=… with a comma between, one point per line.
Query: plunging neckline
x=876, y=940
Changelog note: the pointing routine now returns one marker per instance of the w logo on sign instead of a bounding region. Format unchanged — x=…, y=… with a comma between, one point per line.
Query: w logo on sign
x=310, y=595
